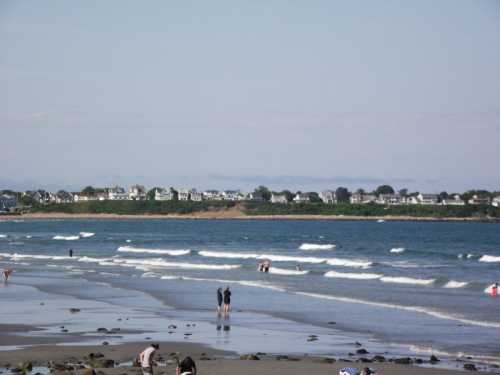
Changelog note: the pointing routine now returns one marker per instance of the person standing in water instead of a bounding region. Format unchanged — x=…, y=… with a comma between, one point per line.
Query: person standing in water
x=494, y=290
x=71, y=253
x=219, y=300
x=6, y=274
x=227, y=301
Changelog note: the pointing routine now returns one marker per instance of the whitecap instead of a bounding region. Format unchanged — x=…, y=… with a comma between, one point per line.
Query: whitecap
x=86, y=234
x=398, y=250
x=282, y=271
x=161, y=263
x=452, y=284
x=406, y=280
x=354, y=276
x=349, y=263
x=130, y=249
x=312, y=246
x=66, y=238
x=3, y=236
x=128, y=241
x=489, y=259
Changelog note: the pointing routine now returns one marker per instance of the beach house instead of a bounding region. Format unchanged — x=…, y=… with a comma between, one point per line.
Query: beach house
x=278, y=198
x=454, y=200
x=164, y=194
x=389, y=199
x=63, y=197
x=328, y=197
x=301, y=198
x=117, y=193
x=479, y=200
x=427, y=199
x=359, y=198
x=212, y=195
x=196, y=196
x=137, y=193
x=496, y=201
x=232, y=195
x=255, y=197
x=184, y=194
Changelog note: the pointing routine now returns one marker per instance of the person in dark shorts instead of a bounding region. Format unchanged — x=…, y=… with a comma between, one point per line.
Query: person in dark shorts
x=186, y=367
x=227, y=301
x=219, y=300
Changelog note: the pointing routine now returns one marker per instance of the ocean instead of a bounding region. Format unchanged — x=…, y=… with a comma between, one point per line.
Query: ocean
x=415, y=287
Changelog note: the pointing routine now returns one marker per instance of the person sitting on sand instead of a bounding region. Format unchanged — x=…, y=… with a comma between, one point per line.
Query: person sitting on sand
x=6, y=274
x=368, y=371
x=146, y=359
x=227, y=301
x=186, y=367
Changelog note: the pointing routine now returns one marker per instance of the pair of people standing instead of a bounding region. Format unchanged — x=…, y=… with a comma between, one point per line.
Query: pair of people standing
x=224, y=297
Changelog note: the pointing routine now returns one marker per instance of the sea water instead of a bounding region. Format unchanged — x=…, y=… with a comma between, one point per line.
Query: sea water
x=421, y=285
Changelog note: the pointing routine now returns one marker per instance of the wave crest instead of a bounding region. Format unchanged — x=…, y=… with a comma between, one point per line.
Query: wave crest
x=312, y=246
x=130, y=249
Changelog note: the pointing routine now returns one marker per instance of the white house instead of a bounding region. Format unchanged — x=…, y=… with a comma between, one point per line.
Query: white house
x=164, y=194
x=196, y=196
x=212, y=195
x=231, y=195
x=328, y=196
x=137, y=193
x=117, y=193
x=85, y=197
x=496, y=201
x=357, y=198
x=301, y=198
x=278, y=198
x=389, y=199
x=453, y=201
x=428, y=199
x=255, y=197
x=184, y=194
x=63, y=197
x=476, y=199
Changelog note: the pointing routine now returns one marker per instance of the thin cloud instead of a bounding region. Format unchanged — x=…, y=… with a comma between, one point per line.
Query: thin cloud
x=39, y=115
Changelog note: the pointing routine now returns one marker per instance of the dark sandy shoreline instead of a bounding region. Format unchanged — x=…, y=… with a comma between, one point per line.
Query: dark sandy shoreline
x=209, y=361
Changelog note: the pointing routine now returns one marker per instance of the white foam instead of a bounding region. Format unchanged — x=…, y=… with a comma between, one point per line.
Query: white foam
x=161, y=263
x=312, y=246
x=28, y=236
x=354, y=276
x=166, y=277
x=489, y=288
x=249, y=283
x=130, y=249
x=406, y=280
x=489, y=259
x=128, y=241
x=93, y=260
x=3, y=236
x=272, y=257
x=282, y=271
x=416, y=309
x=349, y=263
x=86, y=234
x=149, y=275
x=16, y=256
x=398, y=250
x=66, y=238
x=452, y=284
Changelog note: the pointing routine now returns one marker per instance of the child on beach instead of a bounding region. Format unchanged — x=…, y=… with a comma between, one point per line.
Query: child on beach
x=146, y=359
x=6, y=274
x=186, y=367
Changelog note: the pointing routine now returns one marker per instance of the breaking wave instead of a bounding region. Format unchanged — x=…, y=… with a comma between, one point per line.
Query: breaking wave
x=66, y=238
x=312, y=246
x=416, y=309
x=354, y=276
x=452, y=284
x=398, y=250
x=130, y=249
x=161, y=263
x=249, y=283
x=489, y=259
x=86, y=234
x=406, y=280
x=282, y=271
x=3, y=236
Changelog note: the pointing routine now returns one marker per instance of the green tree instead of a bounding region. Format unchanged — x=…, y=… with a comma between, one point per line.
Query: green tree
x=361, y=191
x=443, y=195
x=342, y=195
x=175, y=194
x=150, y=196
x=288, y=194
x=314, y=197
x=403, y=192
x=264, y=191
x=384, y=189
x=89, y=190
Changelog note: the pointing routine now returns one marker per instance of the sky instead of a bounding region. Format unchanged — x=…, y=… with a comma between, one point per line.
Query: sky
x=305, y=95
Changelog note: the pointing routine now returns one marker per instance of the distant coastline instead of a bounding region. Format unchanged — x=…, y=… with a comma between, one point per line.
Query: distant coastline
x=236, y=215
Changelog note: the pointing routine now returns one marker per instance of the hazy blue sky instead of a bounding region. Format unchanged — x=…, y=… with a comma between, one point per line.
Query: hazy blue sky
x=230, y=94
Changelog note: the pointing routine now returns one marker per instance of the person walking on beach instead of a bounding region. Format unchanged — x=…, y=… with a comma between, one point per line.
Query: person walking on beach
x=227, y=301
x=146, y=359
x=219, y=300
x=186, y=367
x=6, y=274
